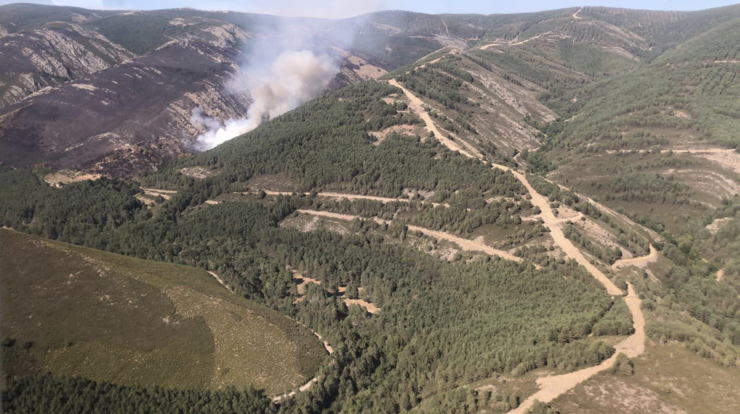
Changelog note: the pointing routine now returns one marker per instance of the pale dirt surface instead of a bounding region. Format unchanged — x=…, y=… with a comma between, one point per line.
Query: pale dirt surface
x=155, y=190
x=727, y=159
x=515, y=42
x=197, y=172
x=305, y=280
x=398, y=129
x=602, y=236
x=681, y=114
x=566, y=219
x=417, y=106
x=680, y=151
x=166, y=194
x=365, y=304
x=465, y=244
x=64, y=177
x=429, y=63
x=554, y=386
x=556, y=232
x=720, y=275
x=147, y=201
x=624, y=219
x=219, y=280
x=366, y=70
x=565, y=212
x=329, y=194
x=718, y=224
x=310, y=382
x=639, y=262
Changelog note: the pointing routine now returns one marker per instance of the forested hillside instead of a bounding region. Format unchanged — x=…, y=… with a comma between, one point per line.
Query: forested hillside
x=516, y=213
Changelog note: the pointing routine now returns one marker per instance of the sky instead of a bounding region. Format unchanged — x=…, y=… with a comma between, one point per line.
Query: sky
x=348, y=8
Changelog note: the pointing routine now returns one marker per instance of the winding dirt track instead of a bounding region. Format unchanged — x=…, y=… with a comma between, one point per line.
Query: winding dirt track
x=154, y=192
x=626, y=220
x=554, y=386
x=550, y=221
x=417, y=106
x=465, y=244
x=681, y=151
x=220, y=280
x=383, y=200
x=556, y=232
x=513, y=43
x=640, y=262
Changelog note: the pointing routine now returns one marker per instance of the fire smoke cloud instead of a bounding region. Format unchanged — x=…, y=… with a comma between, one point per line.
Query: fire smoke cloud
x=290, y=79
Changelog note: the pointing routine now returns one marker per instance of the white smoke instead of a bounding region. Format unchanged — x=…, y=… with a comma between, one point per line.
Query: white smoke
x=291, y=79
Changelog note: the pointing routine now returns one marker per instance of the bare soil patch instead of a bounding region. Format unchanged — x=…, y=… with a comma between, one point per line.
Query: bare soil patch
x=639, y=262
x=303, y=282
x=465, y=244
x=718, y=224
x=154, y=192
x=198, y=172
x=551, y=387
x=64, y=177
x=417, y=106
x=398, y=129
x=556, y=232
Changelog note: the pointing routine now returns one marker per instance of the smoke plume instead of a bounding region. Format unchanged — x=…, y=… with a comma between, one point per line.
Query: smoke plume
x=283, y=83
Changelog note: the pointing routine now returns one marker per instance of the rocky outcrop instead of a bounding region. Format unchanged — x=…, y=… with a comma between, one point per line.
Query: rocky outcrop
x=35, y=59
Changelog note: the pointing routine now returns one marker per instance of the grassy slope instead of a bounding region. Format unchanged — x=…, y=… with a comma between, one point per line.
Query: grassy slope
x=130, y=321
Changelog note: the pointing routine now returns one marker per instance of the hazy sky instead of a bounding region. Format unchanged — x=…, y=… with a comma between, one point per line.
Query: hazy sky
x=347, y=8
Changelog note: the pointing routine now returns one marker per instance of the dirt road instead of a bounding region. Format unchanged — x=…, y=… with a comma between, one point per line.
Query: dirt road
x=219, y=280
x=515, y=42
x=417, y=106
x=680, y=151
x=553, y=386
x=640, y=262
x=383, y=200
x=154, y=192
x=310, y=382
x=556, y=232
x=370, y=307
x=465, y=244
x=624, y=219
